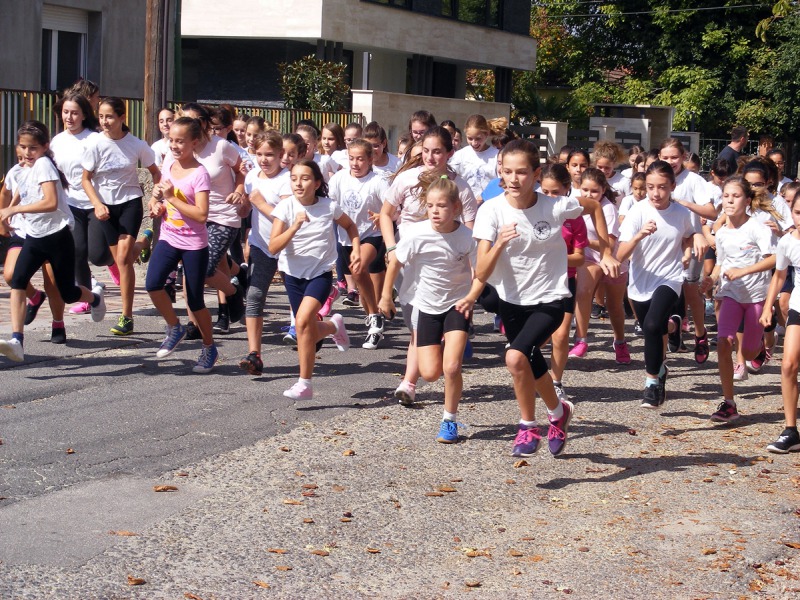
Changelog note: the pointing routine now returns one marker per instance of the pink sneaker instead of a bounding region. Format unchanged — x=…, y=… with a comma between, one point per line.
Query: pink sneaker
x=685, y=324
x=623, y=354
x=299, y=391
x=340, y=338
x=579, y=350
x=326, y=308
x=114, y=272
x=81, y=308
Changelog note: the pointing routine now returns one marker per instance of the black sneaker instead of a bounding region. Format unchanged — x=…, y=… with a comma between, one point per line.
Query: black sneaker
x=637, y=329
x=603, y=312
x=31, y=310
x=662, y=383
x=788, y=441
x=58, y=335
x=171, y=292
x=236, y=304
x=652, y=397
x=674, y=338
x=596, y=310
x=252, y=364
x=352, y=299
x=223, y=324
x=192, y=332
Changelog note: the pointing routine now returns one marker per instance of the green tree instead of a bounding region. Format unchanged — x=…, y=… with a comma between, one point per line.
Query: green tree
x=314, y=84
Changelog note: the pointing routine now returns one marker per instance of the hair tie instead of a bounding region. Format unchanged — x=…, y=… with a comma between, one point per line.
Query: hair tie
x=444, y=177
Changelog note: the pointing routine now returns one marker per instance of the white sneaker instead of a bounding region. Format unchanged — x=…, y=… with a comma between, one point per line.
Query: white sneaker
x=12, y=349
x=340, y=337
x=405, y=394
x=372, y=341
x=96, y=283
x=560, y=393
x=99, y=311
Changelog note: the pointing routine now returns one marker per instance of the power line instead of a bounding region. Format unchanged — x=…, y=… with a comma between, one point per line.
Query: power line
x=657, y=12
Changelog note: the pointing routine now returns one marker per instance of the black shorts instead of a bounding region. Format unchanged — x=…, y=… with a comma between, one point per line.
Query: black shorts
x=378, y=265
x=124, y=219
x=430, y=328
x=15, y=241
x=569, y=303
x=793, y=318
x=788, y=284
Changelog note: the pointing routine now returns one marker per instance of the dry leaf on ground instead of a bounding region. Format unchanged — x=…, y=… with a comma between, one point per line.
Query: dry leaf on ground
x=373, y=550
x=123, y=533
x=190, y=596
x=165, y=488
x=70, y=451
x=277, y=550
x=349, y=453
x=135, y=580
x=320, y=552
x=521, y=463
x=261, y=584
x=293, y=502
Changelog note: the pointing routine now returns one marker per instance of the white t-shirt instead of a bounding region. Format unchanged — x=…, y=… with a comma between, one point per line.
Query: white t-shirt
x=626, y=204
x=533, y=266
x=389, y=169
x=477, y=168
x=620, y=184
x=160, y=149
x=612, y=225
x=787, y=254
x=357, y=197
x=326, y=165
x=656, y=260
x=403, y=194
x=716, y=194
x=312, y=250
x=783, y=182
x=273, y=190
x=341, y=159
x=11, y=183
x=742, y=247
x=113, y=164
x=690, y=187
x=442, y=264
x=30, y=191
x=68, y=150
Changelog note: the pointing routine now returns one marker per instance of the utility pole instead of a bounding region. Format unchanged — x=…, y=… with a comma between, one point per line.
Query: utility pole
x=156, y=59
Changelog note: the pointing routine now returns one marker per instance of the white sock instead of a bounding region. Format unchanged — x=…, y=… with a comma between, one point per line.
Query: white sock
x=527, y=423
x=446, y=416
x=307, y=382
x=556, y=413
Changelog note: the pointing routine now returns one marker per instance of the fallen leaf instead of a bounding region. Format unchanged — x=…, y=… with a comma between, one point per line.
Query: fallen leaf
x=373, y=550
x=513, y=552
x=285, y=449
x=708, y=551
x=309, y=486
x=347, y=514
x=445, y=585
x=191, y=596
x=339, y=432
x=349, y=453
x=510, y=481
x=165, y=488
x=472, y=583
x=583, y=549
x=521, y=463
x=446, y=488
x=309, y=494
x=9, y=406
x=182, y=474
x=135, y=580
x=308, y=521
x=299, y=473
x=277, y=550
x=293, y=502
x=537, y=558
x=456, y=480
x=70, y=451
x=338, y=488
x=122, y=533
x=794, y=545
x=283, y=568
x=261, y=584
x=345, y=520
x=434, y=494
x=320, y=552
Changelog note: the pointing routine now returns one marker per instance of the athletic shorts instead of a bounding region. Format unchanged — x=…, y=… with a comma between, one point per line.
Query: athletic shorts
x=431, y=328
x=124, y=219
x=220, y=240
x=378, y=265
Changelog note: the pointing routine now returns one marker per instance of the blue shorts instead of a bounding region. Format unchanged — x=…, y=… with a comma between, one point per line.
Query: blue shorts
x=318, y=288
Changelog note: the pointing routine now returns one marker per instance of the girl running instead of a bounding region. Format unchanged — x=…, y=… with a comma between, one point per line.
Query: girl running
x=111, y=182
x=745, y=255
x=420, y=122
x=477, y=161
x=41, y=199
x=441, y=252
x=654, y=236
x=266, y=187
x=161, y=146
x=181, y=199
x=384, y=163
x=302, y=227
x=522, y=254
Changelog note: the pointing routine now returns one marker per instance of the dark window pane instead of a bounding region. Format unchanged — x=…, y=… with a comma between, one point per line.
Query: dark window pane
x=70, y=66
x=47, y=49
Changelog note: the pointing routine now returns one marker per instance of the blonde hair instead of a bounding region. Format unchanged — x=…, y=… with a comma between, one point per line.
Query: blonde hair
x=608, y=150
x=492, y=128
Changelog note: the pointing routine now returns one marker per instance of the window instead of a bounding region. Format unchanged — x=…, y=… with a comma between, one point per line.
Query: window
x=487, y=13
x=64, y=40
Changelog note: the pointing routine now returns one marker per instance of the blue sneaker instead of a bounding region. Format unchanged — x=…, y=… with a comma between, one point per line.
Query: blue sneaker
x=448, y=432
x=290, y=339
x=206, y=360
x=174, y=337
x=468, y=350
x=526, y=442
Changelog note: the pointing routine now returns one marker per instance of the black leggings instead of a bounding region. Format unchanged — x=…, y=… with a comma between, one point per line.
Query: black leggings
x=90, y=245
x=165, y=259
x=653, y=315
x=59, y=250
x=529, y=327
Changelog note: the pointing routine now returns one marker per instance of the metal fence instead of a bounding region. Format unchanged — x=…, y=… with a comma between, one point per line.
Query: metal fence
x=17, y=106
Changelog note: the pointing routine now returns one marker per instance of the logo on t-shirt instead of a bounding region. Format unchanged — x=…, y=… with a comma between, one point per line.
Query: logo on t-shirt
x=542, y=230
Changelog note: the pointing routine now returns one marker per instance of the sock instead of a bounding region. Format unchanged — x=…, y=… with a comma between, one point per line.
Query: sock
x=648, y=381
x=729, y=401
x=556, y=413
x=96, y=300
x=446, y=416
x=306, y=382
x=291, y=321
x=794, y=428
x=36, y=298
x=413, y=386
x=619, y=342
x=528, y=424
x=18, y=336
x=663, y=370
x=580, y=340
x=58, y=324
x=556, y=382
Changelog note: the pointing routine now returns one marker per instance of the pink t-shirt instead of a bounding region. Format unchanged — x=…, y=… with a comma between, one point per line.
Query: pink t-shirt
x=179, y=231
x=575, y=236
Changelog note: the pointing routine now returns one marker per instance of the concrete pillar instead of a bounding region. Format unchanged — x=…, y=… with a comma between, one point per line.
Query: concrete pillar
x=606, y=133
x=556, y=135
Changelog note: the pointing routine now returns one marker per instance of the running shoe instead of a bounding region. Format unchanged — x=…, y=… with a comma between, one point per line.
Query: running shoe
x=175, y=335
x=623, y=354
x=113, y=270
x=58, y=335
x=206, y=360
x=95, y=283
x=352, y=299
x=561, y=393
x=725, y=413
x=788, y=441
x=124, y=326
x=685, y=325
x=674, y=338
x=595, y=310
x=739, y=372
x=603, y=312
x=99, y=311
x=81, y=308
x=448, y=432
x=372, y=340
x=290, y=339
x=32, y=308
x=12, y=349
x=701, y=349
x=340, y=337
x=662, y=383
x=709, y=308
x=375, y=323
x=405, y=393
x=192, y=332
x=557, y=433
x=299, y=391
x=637, y=328
x=652, y=397
x=252, y=364
x=755, y=365
x=326, y=308
x=147, y=250
x=497, y=323
x=223, y=324
x=526, y=442
x=236, y=303
x=579, y=350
